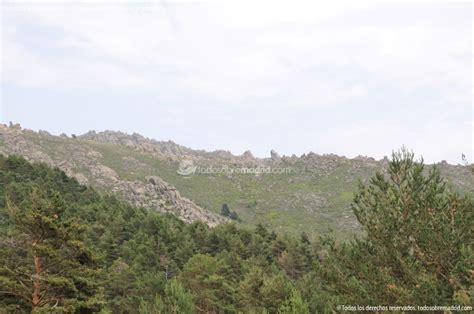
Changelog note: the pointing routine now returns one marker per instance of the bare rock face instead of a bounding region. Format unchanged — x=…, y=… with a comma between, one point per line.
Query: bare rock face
x=247, y=159
x=274, y=156
x=169, y=192
x=161, y=149
x=159, y=195
x=15, y=126
x=321, y=164
x=170, y=151
x=12, y=142
x=187, y=209
x=68, y=168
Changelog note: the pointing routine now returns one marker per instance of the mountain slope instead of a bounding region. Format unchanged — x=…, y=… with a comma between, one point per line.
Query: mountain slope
x=313, y=196
x=89, y=166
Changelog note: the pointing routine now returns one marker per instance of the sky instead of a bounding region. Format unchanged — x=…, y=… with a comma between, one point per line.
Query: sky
x=350, y=78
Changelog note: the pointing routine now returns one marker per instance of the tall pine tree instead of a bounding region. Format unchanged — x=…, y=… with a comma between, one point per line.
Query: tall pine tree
x=44, y=264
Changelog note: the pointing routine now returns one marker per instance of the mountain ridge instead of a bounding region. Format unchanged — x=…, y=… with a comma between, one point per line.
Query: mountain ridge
x=314, y=197
x=102, y=136
x=154, y=193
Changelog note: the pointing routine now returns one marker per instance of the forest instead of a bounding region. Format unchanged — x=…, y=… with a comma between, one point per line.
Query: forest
x=66, y=248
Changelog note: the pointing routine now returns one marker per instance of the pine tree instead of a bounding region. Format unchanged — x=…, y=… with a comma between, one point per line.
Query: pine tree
x=249, y=291
x=292, y=262
x=176, y=300
x=417, y=248
x=294, y=304
x=44, y=264
x=276, y=289
x=203, y=275
x=225, y=211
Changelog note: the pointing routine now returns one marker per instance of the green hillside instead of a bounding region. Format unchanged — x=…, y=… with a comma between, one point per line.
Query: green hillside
x=314, y=196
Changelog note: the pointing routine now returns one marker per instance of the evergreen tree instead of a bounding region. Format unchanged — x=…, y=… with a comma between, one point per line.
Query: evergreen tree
x=294, y=304
x=292, y=262
x=418, y=244
x=249, y=291
x=275, y=290
x=204, y=276
x=233, y=215
x=225, y=211
x=44, y=263
x=176, y=300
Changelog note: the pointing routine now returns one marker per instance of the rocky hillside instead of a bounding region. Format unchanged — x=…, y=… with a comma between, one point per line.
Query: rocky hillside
x=87, y=165
x=310, y=193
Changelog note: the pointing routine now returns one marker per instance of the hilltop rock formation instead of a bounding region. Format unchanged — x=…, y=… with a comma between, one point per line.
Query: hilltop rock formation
x=274, y=156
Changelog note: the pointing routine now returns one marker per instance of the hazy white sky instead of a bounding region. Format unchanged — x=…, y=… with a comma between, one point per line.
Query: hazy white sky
x=348, y=78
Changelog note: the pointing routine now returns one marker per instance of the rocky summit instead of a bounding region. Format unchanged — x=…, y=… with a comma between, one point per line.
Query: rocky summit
x=310, y=193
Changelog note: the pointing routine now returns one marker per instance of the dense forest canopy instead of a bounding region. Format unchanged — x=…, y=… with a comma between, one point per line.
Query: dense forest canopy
x=64, y=248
